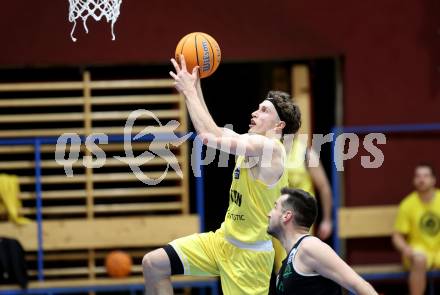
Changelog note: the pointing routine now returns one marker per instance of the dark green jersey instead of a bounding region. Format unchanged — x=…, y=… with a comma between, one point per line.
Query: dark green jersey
x=292, y=283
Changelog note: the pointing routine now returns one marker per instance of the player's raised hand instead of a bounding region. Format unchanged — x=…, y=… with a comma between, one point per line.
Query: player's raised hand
x=184, y=81
x=325, y=229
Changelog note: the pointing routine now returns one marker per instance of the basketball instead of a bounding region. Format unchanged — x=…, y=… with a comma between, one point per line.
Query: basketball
x=118, y=264
x=199, y=49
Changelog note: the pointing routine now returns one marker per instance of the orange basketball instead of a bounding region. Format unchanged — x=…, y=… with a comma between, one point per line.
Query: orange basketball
x=202, y=50
x=118, y=264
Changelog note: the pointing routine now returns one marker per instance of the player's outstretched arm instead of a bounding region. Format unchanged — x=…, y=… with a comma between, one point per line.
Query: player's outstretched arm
x=319, y=257
x=185, y=83
x=322, y=185
x=214, y=136
x=243, y=145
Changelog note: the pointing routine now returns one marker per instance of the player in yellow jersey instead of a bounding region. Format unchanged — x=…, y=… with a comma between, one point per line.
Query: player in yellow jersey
x=417, y=228
x=241, y=250
x=305, y=172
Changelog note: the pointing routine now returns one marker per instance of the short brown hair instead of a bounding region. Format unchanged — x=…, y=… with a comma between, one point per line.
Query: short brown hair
x=303, y=205
x=429, y=166
x=287, y=110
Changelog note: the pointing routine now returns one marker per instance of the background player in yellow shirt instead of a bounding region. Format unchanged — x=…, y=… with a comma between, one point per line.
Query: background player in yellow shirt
x=241, y=250
x=305, y=172
x=417, y=228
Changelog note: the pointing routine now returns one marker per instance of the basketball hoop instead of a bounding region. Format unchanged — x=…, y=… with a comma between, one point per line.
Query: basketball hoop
x=95, y=8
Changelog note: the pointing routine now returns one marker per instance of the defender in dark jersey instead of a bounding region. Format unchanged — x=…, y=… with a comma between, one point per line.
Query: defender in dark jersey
x=311, y=266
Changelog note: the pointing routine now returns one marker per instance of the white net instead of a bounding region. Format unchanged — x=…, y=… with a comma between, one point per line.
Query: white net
x=82, y=9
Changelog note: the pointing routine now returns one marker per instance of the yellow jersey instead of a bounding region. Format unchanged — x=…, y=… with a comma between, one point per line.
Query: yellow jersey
x=420, y=221
x=296, y=167
x=250, y=201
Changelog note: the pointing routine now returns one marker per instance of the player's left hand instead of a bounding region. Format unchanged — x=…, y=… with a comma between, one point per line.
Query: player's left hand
x=325, y=229
x=184, y=81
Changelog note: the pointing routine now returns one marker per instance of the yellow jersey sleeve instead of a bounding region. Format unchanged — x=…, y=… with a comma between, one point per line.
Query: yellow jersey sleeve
x=297, y=170
x=402, y=223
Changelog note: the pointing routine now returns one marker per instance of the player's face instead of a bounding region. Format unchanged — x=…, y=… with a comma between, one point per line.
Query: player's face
x=265, y=118
x=424, y=180
x=274, y=227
